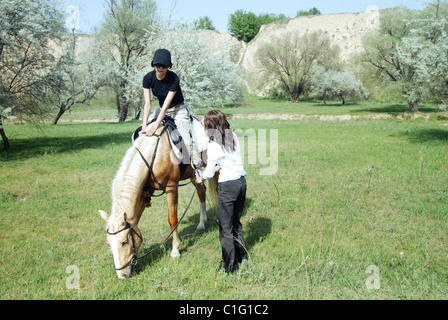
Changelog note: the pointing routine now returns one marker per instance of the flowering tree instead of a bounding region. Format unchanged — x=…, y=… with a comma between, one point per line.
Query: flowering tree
x=79, y=76
x=426, y=48
x=383, y=53
x=410, y=50
x=28, y=34
x=208, y=76
x=330, y=84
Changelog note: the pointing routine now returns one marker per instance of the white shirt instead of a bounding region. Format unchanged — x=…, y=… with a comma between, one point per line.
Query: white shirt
x=230, y=162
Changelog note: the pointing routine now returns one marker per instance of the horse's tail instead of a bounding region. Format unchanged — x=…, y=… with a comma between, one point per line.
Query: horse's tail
x=213, y=190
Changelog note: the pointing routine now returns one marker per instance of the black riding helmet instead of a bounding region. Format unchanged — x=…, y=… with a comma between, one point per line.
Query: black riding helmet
x=162, y=56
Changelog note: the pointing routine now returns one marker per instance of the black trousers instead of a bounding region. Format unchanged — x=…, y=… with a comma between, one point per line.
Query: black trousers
x=231, y=198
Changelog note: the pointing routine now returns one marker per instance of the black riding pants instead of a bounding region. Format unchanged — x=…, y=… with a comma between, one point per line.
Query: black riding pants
x=231, y=198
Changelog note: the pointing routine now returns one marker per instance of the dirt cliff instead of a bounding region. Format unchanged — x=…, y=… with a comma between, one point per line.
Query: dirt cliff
x=346, y=30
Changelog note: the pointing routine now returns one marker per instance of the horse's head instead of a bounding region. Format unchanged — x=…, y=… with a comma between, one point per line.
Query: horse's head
x=124, y=239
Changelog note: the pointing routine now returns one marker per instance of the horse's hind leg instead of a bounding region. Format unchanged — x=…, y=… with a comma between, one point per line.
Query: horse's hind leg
x=202, y=194
x=172, y=197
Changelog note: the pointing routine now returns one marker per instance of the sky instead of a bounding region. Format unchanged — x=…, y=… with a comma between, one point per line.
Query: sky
x=91, y=11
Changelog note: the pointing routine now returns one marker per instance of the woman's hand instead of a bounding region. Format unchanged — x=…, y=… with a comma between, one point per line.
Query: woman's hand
x=199, y=178
x=140, y=133
x=151, y=130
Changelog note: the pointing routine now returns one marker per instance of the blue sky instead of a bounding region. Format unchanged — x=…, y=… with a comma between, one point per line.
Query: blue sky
x=91, y=11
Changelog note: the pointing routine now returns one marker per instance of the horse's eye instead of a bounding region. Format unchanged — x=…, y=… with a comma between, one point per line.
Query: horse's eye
x=125, y=242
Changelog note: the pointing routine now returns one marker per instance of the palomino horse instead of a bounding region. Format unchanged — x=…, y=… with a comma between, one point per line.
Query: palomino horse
x=128, y=204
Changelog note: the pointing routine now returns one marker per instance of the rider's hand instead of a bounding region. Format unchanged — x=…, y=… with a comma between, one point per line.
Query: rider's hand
x=151, y=130
x=141, y=131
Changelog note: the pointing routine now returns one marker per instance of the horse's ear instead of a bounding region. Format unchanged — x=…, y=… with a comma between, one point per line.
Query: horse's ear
x=104, y=215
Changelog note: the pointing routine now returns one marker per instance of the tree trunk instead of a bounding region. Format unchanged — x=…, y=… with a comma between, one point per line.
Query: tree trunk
x=124, y=110
x=4, y=138
x=123, y=114
x=294, y=96
x=413, y=106
x=59, y=115
x=137, y=114
x=117, y=101
x=122, y=102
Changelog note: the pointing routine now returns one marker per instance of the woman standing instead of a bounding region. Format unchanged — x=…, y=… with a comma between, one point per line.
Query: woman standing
x=224, y=156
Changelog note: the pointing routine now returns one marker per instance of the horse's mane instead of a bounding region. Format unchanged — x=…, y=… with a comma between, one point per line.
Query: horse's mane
x=121, y=177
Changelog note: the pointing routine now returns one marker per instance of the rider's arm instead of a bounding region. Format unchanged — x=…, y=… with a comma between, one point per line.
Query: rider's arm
x=166, y=104
x=147, y=108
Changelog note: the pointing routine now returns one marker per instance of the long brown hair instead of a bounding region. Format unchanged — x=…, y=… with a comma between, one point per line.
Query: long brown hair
x=218, y=130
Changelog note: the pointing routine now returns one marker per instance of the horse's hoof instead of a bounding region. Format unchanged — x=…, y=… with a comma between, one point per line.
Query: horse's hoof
x=175, y=255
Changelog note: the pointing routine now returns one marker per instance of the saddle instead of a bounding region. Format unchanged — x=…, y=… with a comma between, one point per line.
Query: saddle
x=197, y=137
x=168, y=121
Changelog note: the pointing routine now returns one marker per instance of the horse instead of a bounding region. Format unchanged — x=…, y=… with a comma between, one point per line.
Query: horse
x=128, y=202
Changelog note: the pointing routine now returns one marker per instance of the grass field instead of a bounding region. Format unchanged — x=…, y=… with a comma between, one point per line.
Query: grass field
x=103, y=107
x=348, y=195
x=254, y=104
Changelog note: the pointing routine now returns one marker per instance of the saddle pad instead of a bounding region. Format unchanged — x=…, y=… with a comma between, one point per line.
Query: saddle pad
x=198, y=133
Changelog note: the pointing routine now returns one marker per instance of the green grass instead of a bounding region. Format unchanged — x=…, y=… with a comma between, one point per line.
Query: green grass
x=100, y=107
x=256, y=105
x=347, y=195
x=103, y=107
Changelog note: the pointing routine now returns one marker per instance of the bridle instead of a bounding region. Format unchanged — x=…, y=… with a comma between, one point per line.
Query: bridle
x=134, y=258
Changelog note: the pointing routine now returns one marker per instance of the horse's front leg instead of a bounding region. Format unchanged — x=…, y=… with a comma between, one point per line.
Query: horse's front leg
x=172, y=197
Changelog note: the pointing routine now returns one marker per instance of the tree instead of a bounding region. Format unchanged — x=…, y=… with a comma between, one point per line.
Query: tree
x=127, y=26
x=382, y=54
x=4, y=113
x=79, y=76
x=426, y=48
x=204, y=23
x=30, y=31
x=331, y=84
x=288, y=60
x=268, y=18
x=246, y=25
x=311, y=12
x=243, y=25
